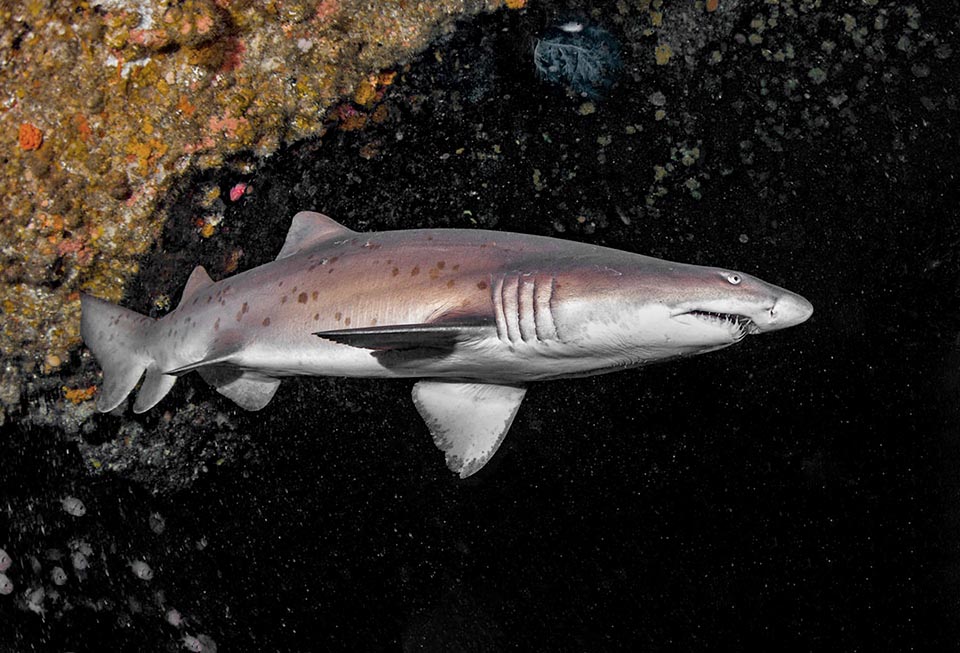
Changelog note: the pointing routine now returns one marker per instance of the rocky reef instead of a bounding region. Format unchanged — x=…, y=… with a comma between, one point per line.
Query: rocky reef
x=104, y=103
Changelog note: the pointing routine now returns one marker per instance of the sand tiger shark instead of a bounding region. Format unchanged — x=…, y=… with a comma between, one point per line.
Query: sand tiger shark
x=475, y=316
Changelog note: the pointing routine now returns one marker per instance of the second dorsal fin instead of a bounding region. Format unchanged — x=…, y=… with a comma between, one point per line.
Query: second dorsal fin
x=308, y=229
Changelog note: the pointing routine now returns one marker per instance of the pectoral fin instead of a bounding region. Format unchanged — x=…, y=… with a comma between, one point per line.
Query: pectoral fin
x=468, y=421
x=406, y=336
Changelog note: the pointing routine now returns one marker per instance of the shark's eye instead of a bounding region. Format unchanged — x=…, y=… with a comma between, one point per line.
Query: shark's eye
x=734, y=278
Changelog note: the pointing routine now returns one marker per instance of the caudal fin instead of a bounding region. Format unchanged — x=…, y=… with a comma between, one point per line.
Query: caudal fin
x=116, y=336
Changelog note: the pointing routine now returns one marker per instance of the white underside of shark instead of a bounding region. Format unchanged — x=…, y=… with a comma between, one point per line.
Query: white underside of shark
x=474, y=315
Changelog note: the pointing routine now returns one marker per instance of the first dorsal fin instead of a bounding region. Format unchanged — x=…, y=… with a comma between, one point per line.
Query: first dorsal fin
x=199, y=279
x=308, y=229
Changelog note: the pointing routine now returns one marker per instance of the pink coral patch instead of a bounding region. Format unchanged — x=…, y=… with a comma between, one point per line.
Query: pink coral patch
x=237, y=191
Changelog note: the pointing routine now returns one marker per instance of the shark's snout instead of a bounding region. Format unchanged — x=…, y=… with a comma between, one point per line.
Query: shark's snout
x=788, y=310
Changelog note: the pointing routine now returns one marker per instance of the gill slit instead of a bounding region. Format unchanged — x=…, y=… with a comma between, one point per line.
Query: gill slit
x=523, y=307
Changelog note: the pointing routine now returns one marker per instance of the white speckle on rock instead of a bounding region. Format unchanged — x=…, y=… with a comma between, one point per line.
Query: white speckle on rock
x=174, y=618
x=157, y=523
x=35, y=600
x=58, y=576
x=141, y=569
x=79, y=560
x=74, y=506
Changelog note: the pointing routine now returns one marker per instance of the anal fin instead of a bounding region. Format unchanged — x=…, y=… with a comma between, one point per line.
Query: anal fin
x=155, y=387
x=468, y=421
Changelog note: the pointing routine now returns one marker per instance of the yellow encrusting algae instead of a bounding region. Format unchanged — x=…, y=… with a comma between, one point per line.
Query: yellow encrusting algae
x=103, y=103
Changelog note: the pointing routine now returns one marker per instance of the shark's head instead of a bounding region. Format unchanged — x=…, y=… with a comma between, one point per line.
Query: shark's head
x=659, y=310
x=725, y=306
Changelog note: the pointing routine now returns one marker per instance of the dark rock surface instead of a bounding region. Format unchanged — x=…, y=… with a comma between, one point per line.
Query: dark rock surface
x=797, y=491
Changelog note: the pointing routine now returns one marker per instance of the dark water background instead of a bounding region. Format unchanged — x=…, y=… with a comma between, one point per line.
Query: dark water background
x=798, y=491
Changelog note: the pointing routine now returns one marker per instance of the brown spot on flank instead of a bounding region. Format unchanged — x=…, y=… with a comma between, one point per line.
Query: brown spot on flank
x=415, y=271
x=266, y=321
x=450, y=283
x=337, y=316
x=373, y=322
x=316, y=317
x=209, y=298
x=216, y=325
x=389, y=261
x=482, y=285
x=283, y=300
x=244, y=308
x=346, y=321
x=314, y=295
x=334, y=260
x=395, y=271
x=434, y=273
x=456, y=267
x=280, y=285
x=441, y=265
x=302, y=298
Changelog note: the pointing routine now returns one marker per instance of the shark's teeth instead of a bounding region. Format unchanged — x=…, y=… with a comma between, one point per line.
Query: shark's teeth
x=741, y=323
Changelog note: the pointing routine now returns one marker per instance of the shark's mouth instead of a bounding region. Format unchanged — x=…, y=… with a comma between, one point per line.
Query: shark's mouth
x=739, y=325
